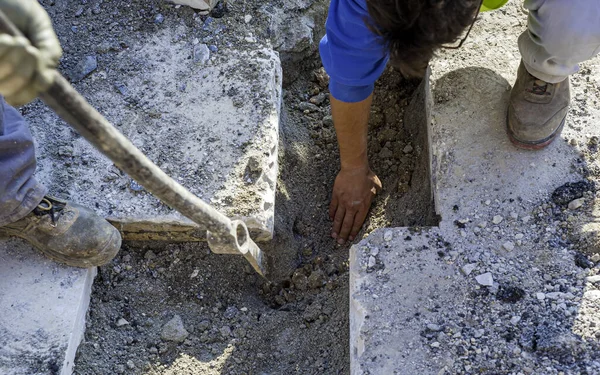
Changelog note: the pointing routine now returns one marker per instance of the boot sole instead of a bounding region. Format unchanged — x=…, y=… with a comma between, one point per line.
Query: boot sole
x=533, y=146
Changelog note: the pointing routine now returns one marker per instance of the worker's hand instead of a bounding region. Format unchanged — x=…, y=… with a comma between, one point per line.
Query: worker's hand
x=353, y=192
x=27, y=64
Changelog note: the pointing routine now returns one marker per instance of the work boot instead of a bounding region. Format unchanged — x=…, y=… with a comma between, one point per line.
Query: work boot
x=67, y=233
x=537, y=110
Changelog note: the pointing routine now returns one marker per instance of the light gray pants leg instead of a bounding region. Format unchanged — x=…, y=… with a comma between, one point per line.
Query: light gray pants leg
x=561, y=34
x=20, y=193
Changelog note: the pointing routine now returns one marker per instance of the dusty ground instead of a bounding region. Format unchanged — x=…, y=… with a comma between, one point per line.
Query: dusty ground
x=233, y=322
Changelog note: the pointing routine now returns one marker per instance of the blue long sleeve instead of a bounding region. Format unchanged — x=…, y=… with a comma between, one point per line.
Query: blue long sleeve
x=352, y=55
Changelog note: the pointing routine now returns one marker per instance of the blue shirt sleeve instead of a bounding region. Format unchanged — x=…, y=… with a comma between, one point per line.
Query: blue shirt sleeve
x=352, y=55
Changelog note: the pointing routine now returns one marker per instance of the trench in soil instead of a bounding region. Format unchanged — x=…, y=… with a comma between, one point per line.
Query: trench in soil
x=237, y=323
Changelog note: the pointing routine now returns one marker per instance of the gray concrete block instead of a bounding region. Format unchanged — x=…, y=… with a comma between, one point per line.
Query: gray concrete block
x=212, y=124
x=384, y=298
x=43, y=307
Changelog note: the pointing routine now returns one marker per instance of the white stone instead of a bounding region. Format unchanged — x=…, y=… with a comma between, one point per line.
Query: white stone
x=526, y=219
x=515, y=319
x=122, y=322
x=485, y=279
x=435, y=344
x=508, y=246
x=468, y=268
x=576, y=203
x=497, y=219
x=519, y=236
x=540, y=296
x=388, y=235
x=247, y=18
x=372, y=262
x=592, y=295
x=43, y=308
x=593, y=279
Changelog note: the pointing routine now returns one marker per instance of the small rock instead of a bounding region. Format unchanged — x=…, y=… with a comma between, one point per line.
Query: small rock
x=508, y=246
x=247, y=18
x=596, y=258
x=316, y=279
x=479, y=333
x=122, y=89
x=497, y=219
x=318, y=99
x=174, y=330
x=485, y=279
x=130, y=364
x=201, y=54
x=468, y=268
x=540, y=296
x=571, y=191
x=231, y=312
x=592, y=295
x=408, y=149
x=512, y=294
x=312, y=312
x=593, y=279
x=515, y=319
x=576, y=203
x=149, y=255
x=435, y=344
x=159, y=18
x=122, y=322
x=388, y=235
x=582, y=261
x=372, y=261
x=225, y=331
x=434, y=327
x=84, y=68
x=526, y=219
x=300, y=280
x=194, y=273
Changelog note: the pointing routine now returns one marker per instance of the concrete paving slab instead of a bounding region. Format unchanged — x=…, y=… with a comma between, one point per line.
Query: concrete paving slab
x=419, y=296
x=43, y=307
x=211, y=121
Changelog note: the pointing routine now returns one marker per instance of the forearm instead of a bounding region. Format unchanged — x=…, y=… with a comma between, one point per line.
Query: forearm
x=351, y=126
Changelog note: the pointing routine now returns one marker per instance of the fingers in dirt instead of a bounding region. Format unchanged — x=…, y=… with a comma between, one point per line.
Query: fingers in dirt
x=346, y=226
x=340, y=213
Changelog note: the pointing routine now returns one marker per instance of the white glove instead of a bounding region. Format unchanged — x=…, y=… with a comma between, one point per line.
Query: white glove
x=204, y=6
x=27, y=64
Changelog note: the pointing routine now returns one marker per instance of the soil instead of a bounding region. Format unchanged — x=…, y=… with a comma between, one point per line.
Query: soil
x=234, y=322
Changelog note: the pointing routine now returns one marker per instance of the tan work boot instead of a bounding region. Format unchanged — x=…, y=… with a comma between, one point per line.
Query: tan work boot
x=67, y=233
x=537, y=110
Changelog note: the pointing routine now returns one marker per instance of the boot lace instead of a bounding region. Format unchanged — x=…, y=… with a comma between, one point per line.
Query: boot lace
x=50, y=206
x=539, y=87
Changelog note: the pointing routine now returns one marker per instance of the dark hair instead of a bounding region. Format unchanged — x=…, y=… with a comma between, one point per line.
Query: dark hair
x=413, y=29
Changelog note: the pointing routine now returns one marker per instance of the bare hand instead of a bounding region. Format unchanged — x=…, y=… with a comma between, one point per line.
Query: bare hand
x=353, y=192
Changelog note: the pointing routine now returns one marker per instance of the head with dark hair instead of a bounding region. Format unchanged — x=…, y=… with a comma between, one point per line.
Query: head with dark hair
x=413, y=29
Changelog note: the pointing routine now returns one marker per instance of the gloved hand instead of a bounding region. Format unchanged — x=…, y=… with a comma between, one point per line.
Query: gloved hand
x=27, y=64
